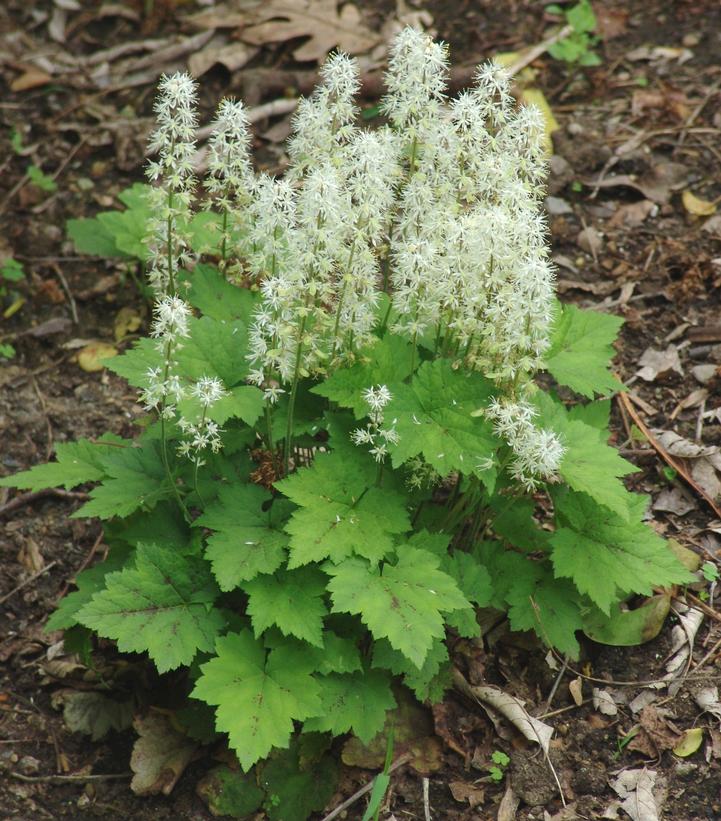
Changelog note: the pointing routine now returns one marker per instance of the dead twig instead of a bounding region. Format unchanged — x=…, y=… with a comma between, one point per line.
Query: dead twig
x=399, y=762
x=665, y=455
x=27, y=582
x=23, y=499
x=556, y=683
x=49, y=445
x=68, y=293
x=536, y=51
x=69, y=779
x=693, y=116
x=711, y=653
x=697, y=604
x=85, y=563
x=566, y=709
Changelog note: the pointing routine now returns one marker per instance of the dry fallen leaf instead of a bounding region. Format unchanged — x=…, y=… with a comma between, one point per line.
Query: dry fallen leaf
x=324, y=24
x=590, y=241
x=604, y=702
x=656, y=183
x=232, y=56
x=696, y=206
x=708, y=700
x=703, y=462
x=636, y=788
x=683, y=636
x=674, y=500
x=576, y=690
x=31, y=78
x=30, y=556
x=633, y=214
x=92, y=713
x=91, y=357
x=159, y=755
x=511, y=708
x=508, y=806
x=656, y=734
x=659, y=363
x=463, y=792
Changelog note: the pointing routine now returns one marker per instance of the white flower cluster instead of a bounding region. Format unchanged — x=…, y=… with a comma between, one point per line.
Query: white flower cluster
x=315, y=236
x=203, y=433
x=537, y=453
x=441, y=208
x=374, y=434
x=469, y=255
x=230, y=173
x=170, y=327
x=173, y=142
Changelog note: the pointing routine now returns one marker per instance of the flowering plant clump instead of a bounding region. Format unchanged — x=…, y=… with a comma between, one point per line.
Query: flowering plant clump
x=350, y=454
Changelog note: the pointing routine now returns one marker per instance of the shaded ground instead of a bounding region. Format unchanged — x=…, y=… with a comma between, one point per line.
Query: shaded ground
x=636, y=133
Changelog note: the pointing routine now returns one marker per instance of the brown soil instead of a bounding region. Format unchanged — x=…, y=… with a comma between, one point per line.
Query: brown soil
x=662, y=273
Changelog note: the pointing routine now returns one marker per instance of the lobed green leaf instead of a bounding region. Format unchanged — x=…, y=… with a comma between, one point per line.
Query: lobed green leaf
x=258, y=695
x=404, y=603
x=162, y=606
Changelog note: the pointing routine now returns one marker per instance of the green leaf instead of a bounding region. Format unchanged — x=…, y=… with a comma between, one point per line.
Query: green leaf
x=128, y=230
x=429, y=682
x=474, y=582
x=292, y=600
x=134, y=364
x=241, y=402
x=77, y=463
x=162, y=606
x=297, y=788
x=212, y=294
x=341, y=511
x=589, y=464
x=42, y=180
x=404, y=603
x=589, y=58
x=335, y=655
x=247, y=540
x=380, y=785
x=628, y=628
x=581, y=16
x=535, y=599
x=386, y=362
x=339, y=655
x=12, y=270
x=515, y=524
x=205, y=232
x=258, y=695
x=136, y=196
x=228, y=792
x=607, y=557
x=433, y=417
x=134, y=478
x=355, y=702
x=596, y=414
x=89, y=582
x=582, y=349
x=164, y=526
x=215, y=348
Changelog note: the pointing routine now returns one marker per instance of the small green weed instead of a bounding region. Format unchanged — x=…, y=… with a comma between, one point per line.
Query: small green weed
x=500, y=762
x=578, y=47
x=42, y=180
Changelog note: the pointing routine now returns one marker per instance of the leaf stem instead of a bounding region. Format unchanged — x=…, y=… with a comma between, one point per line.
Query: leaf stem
x=291, y=400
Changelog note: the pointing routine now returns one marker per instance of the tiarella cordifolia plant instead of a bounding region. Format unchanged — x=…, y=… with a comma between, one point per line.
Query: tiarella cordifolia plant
x=352, y=454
